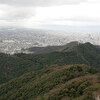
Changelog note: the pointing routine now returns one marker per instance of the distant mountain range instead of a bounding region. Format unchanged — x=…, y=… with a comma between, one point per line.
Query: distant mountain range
x=71, y=72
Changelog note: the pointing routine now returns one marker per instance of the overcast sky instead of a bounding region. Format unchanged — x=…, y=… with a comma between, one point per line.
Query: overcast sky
x=50, y=13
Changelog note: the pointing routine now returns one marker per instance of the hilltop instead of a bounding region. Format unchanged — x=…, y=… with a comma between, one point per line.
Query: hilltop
x=49, y=49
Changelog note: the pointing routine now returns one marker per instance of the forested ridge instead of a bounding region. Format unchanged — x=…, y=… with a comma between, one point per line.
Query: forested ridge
x=70, y=74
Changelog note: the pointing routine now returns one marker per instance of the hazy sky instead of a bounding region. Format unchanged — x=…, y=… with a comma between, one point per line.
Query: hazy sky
x=80, y=14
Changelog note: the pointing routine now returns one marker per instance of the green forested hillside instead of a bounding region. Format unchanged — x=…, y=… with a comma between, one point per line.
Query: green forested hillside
x=15, y=65
x=74, y=82
x=63, y=75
